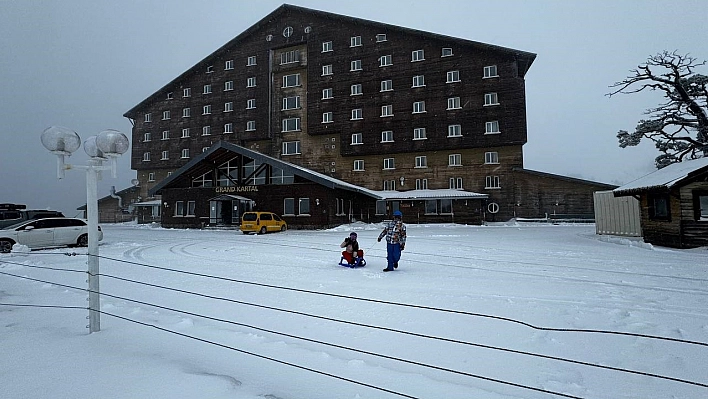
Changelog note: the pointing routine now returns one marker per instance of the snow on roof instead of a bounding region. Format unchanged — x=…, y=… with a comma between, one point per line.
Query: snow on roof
x=429, y=194
x=663, y=178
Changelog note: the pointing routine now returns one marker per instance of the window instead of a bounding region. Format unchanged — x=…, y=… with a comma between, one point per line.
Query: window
x=389, y=185
x=327, y=117
x=291, y=124
x=387, y=136
x=659, y=206
x=358, y=165
x=206, y=130
x=206, y=110
x=147, y=136
x=251, y=103
x=453, y=76
x=380, y=207
x=291, y=102
x=454, y=131
x=165, y=115
x=421, y=161
x=355, y=65
x=148, y=118
x=490, y=71
x=304, y=206
x=421, y=184
x=288, y=31
x=491, y=99
x=356, y=89
x=386, y=110
x=288, y=57
x=327, y=47
x=146, y=156
x=179, y=208
x=492, y=182
x=151, y=176
x=327, y=94
x=251, y=82
x=251, y=61
x=190, y=207
x=165, y=155
x=210, y=68
x=454, y=160
x=419, y=133
x=229, y=65
x=418, y=81
x=453, y=103
x=250, y=126
x=185, y=153
x=186, y=112
x=291, y=80
x=291, y=147
x=386, y=60
x=417, y=55
x=229, y=85
x=170, y=96
x=357, y=114
x=185, y=132
x=386, y=85
x=278, y=176
x=326, y=70
x=187, y=92
x=207, y=89
x=228, y=128
x=355, y=41
x=229, y=106
x=340, y=207
x=446, y=52
x=389, y=163
x=289, y=206
x=455, y=183
x=205, y=149
x=418, y=107
x=491, y=157
x=381, y=37
x=700, y=205
x=165, y=134
x=491, y=127
x=357, y=138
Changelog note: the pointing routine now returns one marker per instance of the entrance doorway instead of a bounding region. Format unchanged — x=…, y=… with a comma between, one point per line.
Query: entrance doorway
x=226, y=209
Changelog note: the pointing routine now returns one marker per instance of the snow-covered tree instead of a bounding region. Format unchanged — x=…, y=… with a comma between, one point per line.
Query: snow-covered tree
x=679, y=126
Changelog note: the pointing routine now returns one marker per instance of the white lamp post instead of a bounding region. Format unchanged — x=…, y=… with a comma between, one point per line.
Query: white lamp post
x=108, y=145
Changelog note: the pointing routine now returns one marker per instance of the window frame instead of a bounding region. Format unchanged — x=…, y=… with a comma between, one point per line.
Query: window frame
x=288, y=80
x=386, y=85
x=418, y=81
x=356, y=89
x=421, y=162
x=419, y=133
x=454, y=103
x=491, y=99
x=490, y=71
x=327, y=46
x=355, y=41
x=355, y=66
x=491, y=127
x=419, y=107
x=418, y=55
x=327, y=93
x=453, y=76
x=387, y=136
x=491, y=158
x=454, y=160
x=492, y=182
x=291, y=147
x=357, y=139
x=389, y=163
x=358, y=165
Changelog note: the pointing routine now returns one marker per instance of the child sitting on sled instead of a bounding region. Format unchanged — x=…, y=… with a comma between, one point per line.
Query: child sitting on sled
x=351, y=252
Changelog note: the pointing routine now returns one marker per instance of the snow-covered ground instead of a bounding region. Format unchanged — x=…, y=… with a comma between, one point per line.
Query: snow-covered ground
x=273, y=316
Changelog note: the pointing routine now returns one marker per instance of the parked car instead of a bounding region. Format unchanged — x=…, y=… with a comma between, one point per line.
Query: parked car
x=45, y=233
x=262, y=222
x=11, y=214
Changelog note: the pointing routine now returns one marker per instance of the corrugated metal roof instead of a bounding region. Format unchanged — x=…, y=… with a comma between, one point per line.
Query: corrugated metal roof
x=663, y=179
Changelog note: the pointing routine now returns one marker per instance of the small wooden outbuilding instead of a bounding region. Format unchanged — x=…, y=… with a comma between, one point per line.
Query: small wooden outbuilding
x=673, y=203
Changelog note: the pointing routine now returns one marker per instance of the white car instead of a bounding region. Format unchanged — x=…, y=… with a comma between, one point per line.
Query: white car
x=44, y=233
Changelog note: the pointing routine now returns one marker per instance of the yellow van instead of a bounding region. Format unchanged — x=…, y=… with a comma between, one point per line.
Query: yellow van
x=262, y=222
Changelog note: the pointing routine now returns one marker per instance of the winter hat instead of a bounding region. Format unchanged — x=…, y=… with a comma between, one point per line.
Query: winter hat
x=397, y=214
x=352, y=235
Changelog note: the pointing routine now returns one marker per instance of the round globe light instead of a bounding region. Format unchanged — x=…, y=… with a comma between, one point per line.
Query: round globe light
x=91, y=148
x=60, y=139
x=111, y=141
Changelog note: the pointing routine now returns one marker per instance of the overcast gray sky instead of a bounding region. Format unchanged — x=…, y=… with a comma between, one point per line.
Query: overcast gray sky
x=83, y=63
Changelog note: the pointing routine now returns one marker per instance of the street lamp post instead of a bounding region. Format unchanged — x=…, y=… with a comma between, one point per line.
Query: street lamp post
x=106, y=146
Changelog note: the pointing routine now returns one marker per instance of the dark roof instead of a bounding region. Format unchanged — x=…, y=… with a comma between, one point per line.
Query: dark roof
x=524, y=58
x=604, y=186
x=222, y=151
x=664, y=179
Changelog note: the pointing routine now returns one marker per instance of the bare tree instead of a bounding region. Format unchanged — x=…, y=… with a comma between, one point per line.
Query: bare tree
x=679, y=126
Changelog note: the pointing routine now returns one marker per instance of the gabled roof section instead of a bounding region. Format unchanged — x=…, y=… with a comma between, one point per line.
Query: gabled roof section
x=565, y=178
x=664, y=179
x=523, y=58
x=222, y=150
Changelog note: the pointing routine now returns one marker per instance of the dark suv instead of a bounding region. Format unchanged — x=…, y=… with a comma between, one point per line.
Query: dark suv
x=13, y=213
